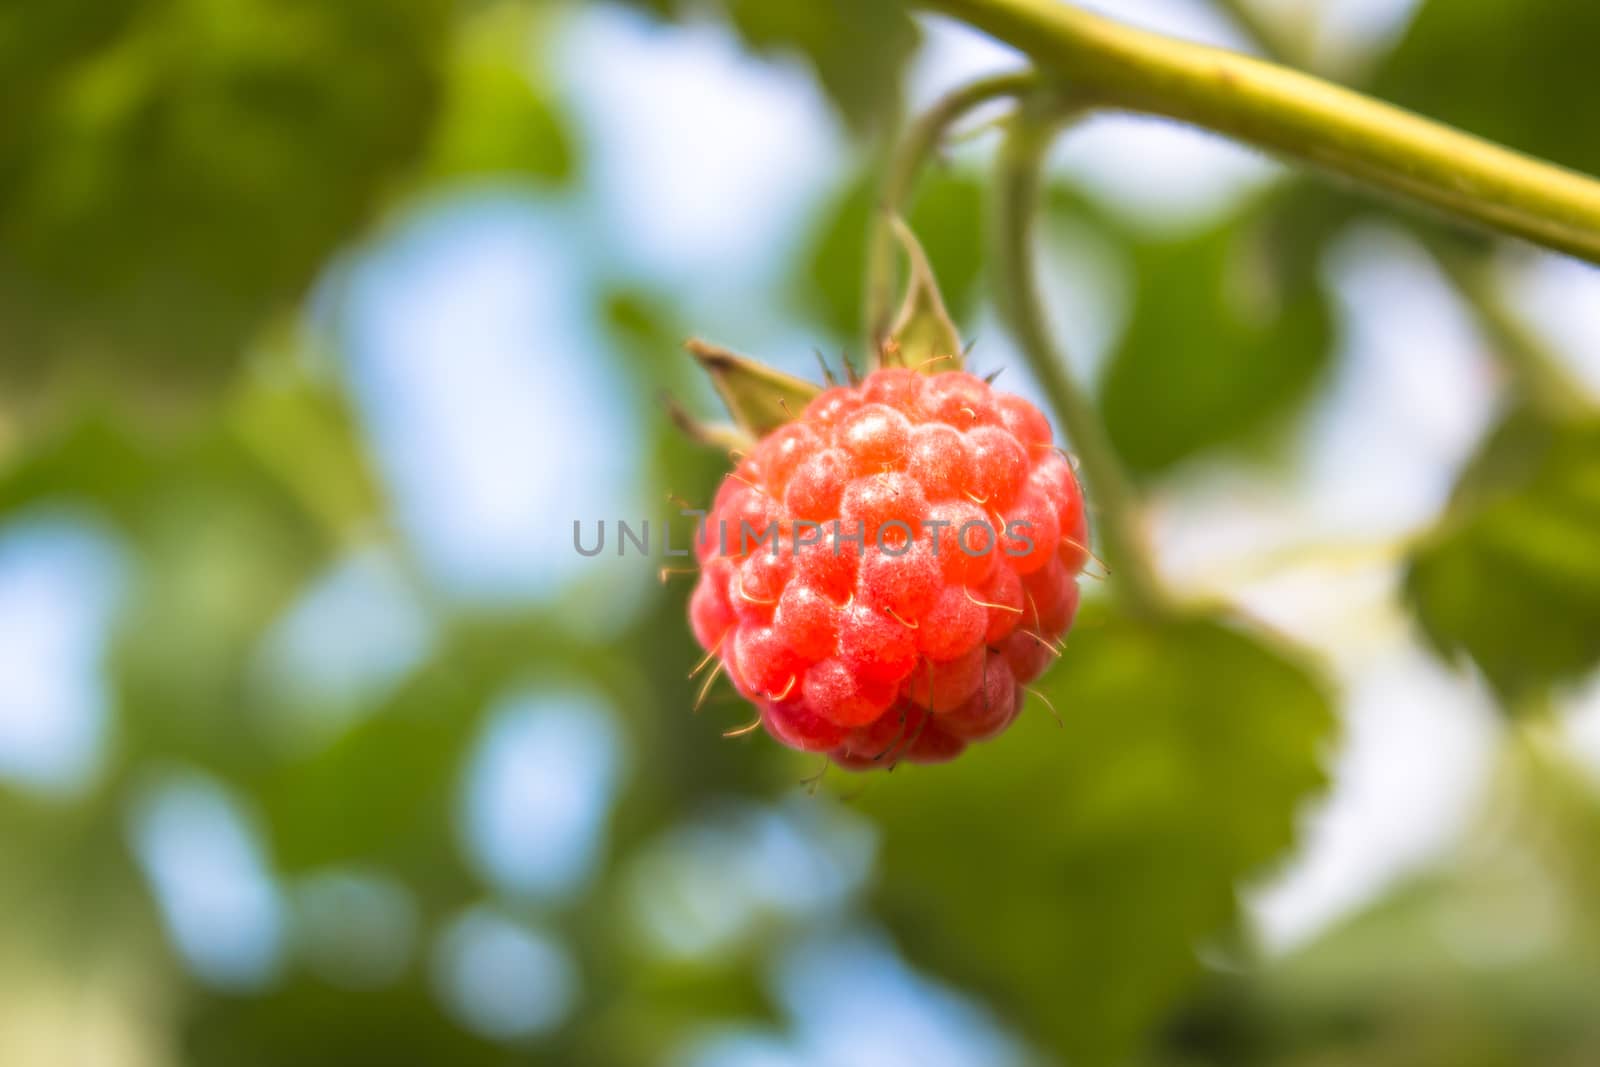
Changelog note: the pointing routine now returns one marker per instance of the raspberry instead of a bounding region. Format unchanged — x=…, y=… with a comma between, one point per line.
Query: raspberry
x=877, y=436
x=939, y=459
x=807, y=621
x=814, y=489
x=929, y=540
x=940, y=685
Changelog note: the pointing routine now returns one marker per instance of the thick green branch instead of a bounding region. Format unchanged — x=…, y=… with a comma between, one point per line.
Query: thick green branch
x=1273, y=107
x=1535, y=368
x=1018, y=302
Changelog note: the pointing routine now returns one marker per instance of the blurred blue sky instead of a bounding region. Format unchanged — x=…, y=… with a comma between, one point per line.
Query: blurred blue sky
x=488, y=391
x=61, y=579
x=502, y=978
x=223, y=911
x=850, y=1001
x=710, y=885
x=340, y=648
x=537, y=788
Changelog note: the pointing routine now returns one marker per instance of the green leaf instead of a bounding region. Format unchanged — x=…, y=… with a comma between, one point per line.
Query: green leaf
x=1520, y=72
x=1511, y=576
x=315, y=1023
x=759, y=398
x=947, y=219
x=302, y=431
x=1070, y=874
x=923, y=337
x=496, y=118
x=1229, y=331
x=179, y=176
x=858, y=48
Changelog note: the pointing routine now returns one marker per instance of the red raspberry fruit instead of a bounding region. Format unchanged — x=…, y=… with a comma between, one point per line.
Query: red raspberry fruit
x=884, y=574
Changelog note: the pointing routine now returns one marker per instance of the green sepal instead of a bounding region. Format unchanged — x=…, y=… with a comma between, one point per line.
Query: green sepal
x=759, y=398
x=923, y=338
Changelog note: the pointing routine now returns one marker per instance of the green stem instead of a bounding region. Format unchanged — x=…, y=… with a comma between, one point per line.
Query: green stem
x=1303, y=117
x=921, y=140
x=1018, y=303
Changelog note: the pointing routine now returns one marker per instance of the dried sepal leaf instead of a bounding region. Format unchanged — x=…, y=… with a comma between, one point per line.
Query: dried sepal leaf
x=759, y=398
x=719, y=435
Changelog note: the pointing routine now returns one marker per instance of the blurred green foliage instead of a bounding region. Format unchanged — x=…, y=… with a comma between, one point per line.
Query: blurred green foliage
x=857, y=48
x=171, y=174
x=495, y=120
x=1515, y=71
x=1488, y=959
x=830, y=276
x=1512, y=575
x=1230, y=329
x=1082, y=865
x=175, y=175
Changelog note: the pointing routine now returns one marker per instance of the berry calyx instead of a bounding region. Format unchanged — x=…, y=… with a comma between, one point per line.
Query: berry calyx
x=883, y=574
